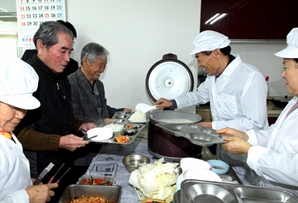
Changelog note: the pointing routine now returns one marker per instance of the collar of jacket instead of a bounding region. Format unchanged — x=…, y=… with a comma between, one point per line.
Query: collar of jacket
x=41, y=68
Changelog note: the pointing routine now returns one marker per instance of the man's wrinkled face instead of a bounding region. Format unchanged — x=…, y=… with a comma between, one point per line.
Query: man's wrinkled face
x=207, y=63
x=96, y=68
x=57, y=56
x=290, y=74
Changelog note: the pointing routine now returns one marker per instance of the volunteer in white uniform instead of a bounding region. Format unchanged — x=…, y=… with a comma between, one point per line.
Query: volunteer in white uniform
x=273, y=153
x=18, y=81
x=236, y=92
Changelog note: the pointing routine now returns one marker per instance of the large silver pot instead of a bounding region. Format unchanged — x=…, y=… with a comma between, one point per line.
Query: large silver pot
x=166, y=145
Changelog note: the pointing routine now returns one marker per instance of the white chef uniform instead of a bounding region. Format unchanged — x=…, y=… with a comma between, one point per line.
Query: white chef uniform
x=15, y=175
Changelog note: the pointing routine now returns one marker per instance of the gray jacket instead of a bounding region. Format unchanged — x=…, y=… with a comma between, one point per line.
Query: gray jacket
x=84, y=108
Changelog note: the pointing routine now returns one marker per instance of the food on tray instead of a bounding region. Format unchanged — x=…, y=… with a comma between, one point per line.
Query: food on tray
x=99, y=181
x=137, y=117
x=114, y=126
x=130, y=132
x=89, y=199
x=86, y=181
x=157, y=180
x=133, y=126
x=130, y=126
x=175, y=120
x=122, y=138
x=95, y=181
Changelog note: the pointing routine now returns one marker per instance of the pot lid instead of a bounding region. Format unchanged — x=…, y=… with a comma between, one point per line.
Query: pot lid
x=169, y=78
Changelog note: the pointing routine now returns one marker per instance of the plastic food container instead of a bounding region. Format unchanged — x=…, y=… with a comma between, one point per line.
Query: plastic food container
x=100, y=133
x=200, y=174
x=193, y=163
x=96, y=180
x=218, y=166
x=152, y=200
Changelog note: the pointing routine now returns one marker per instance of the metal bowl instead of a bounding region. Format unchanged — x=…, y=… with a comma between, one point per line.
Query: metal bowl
x=132, y=162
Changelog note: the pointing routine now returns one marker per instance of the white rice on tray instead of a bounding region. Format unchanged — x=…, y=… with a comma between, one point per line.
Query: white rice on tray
x=114, y=127
x=137, y=116
x=175, y=120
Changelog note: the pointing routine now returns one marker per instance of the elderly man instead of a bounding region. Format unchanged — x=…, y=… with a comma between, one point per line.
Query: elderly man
x=236, y=92
x=273, y=153
x=72, y=65
x=88, y=96
x=49, y=129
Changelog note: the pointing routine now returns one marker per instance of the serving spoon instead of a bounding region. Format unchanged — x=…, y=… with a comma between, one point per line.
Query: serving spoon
x=144, y=107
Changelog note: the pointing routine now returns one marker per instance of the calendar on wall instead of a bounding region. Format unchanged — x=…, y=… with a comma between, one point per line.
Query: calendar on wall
x=31, y=13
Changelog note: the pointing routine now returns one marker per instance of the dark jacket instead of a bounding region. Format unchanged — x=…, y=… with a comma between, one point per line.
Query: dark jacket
x=40, y=130
x=71, y=66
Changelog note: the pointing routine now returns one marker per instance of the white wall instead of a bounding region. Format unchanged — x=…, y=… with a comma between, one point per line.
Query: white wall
x=137, y=34
x=262, y=56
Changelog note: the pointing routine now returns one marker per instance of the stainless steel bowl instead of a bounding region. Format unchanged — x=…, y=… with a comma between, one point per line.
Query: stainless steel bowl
x=132, y=162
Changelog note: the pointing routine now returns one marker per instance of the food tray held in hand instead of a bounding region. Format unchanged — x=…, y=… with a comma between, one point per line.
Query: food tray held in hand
x=196, y=134
x=130, y=130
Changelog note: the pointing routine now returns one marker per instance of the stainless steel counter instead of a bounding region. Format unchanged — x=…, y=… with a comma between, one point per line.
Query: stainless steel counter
x=111, y=156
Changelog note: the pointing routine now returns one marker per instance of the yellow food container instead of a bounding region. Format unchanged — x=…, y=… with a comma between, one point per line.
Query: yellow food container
x=152, y=200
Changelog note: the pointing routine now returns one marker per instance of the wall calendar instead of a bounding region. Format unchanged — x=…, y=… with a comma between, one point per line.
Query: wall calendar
x=31, y=13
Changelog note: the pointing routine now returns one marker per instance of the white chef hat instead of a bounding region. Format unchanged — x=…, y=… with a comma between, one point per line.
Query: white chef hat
x=208, y=41
x=291, y=51
x=18, y=81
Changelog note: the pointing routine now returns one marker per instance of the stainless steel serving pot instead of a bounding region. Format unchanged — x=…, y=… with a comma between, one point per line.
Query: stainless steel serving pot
x=166, y=145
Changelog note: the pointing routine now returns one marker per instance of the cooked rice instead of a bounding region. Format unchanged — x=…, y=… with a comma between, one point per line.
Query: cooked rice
x=138, y=116
x=115, y=127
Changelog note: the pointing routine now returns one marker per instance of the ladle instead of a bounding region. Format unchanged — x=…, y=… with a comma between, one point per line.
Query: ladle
x=144, y=107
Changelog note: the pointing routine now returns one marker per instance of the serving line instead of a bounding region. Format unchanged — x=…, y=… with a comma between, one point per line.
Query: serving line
x=111, y=156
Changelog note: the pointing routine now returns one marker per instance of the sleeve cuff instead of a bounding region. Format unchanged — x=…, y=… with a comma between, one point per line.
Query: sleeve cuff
x=252, y=138
x=174, y=104
x=254, y=154
x=54, y=142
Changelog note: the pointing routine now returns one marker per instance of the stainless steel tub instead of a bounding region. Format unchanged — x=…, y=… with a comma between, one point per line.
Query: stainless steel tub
x=110, y=193
x=195, y=191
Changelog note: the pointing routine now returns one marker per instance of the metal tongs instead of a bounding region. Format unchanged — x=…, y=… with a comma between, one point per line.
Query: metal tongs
x=57, y=173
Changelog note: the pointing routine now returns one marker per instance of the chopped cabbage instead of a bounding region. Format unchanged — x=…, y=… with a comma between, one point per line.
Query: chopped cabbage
x=155, y=180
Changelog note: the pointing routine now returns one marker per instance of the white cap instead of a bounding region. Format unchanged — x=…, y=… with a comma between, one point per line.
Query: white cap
x=209, y=41
x=291, y=51
x=18, y=81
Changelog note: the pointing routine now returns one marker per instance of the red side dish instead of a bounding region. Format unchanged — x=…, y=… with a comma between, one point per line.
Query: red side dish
x=95, y=181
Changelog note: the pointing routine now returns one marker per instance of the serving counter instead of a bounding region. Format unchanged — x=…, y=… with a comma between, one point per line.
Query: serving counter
x=108, y=162
x=272, y=112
